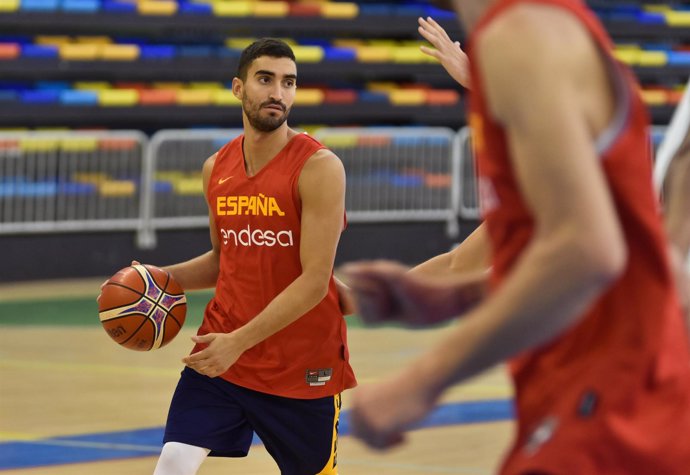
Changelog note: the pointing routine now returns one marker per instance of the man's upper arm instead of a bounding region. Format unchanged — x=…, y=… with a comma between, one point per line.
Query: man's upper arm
x=322, y=191
x=531, y=90
x=206, y=173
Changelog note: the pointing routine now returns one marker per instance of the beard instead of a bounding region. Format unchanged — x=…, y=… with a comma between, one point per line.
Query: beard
x=263, y=123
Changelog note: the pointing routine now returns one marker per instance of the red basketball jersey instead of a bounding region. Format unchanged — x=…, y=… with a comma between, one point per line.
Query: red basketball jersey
x=612, y=395
x=258, y=223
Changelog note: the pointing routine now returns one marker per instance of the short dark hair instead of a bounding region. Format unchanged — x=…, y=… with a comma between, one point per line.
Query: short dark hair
x=264, y=47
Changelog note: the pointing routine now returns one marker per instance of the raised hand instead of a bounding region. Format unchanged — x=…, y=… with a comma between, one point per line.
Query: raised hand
x=446, y=51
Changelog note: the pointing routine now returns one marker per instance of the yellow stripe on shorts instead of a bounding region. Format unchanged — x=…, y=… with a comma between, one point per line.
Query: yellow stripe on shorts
x=331, y=467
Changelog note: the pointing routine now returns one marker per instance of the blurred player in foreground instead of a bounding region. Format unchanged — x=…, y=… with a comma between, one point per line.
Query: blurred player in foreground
x=582, y=298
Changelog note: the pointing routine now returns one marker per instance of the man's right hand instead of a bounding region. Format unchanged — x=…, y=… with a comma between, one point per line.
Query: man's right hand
x=448, y=52
x=386, y=292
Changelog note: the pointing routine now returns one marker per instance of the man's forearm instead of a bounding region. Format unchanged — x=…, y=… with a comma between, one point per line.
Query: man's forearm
x=200, y=272
x=303, y=294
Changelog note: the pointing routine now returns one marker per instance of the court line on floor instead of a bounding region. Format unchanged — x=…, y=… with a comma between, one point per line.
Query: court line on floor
x=136, y=443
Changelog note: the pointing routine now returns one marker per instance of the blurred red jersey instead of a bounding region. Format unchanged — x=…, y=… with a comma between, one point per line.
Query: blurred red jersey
x=258, y=223
x=612, y=395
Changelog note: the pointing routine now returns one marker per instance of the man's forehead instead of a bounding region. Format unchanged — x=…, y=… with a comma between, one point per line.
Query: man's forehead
x=278, y=66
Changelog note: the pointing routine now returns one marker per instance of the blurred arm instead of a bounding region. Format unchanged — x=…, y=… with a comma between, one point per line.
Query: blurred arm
x=578, y=248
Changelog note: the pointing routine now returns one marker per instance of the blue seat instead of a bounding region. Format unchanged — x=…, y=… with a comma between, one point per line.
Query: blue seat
x=679, y=58
x=333, y=53
x=79, y=98
x=40, y=97
x=407, y=181
x=650, y=18
x=39, y=51
x=38, y=5
x=113, y=6
x=372, y=96
x=157, y=52
x=188, y=8
x=81, y=6
x=79, y=189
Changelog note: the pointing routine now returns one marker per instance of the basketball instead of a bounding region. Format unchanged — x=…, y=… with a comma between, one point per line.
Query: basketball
x=142, y=308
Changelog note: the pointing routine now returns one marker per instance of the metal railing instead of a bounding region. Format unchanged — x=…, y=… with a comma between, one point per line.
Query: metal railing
x=70, y=181
x=122, y=180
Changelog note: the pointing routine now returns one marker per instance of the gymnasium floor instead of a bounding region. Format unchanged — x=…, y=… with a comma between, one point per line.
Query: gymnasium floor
x=73, y=402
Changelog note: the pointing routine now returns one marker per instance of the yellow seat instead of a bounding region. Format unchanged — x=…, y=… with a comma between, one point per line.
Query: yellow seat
x=39, y=144
x=308, y=54
x=232, y=8
x=118, y=97
x=382, y=86
x=119, y=52
x=9, y=5
x=194, y=97
x=339, y=10
x=652, y=58
x=374, y=54
x=409, y=55
x=79, y=52
x=225, y=98
x=678, y=19
x=157, y=7
x=82, y=144
x=343, y=141
x=91, y=85
x=52, y=40
x=117, y=188
x=308, y=97
x=270, y=9
x=407, y=97
x=189, y=186
x=627, y=56
x=654, y=97
x=169, y=175
x=238, y=43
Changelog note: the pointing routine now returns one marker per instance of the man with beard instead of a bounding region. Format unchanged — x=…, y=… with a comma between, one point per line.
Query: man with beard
x=271, y=353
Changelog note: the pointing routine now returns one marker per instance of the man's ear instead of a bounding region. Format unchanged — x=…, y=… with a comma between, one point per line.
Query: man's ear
x=237, y=86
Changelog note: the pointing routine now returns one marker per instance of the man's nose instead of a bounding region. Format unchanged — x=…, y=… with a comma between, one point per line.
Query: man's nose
x=276, y=93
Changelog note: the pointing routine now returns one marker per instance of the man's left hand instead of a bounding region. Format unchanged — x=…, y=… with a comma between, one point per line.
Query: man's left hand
x=221, y=353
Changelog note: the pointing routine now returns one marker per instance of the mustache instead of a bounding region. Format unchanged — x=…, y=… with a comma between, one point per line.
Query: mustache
x=274, y=103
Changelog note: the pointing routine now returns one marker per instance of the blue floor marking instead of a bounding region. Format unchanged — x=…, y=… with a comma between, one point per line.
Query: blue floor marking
x=147, y=442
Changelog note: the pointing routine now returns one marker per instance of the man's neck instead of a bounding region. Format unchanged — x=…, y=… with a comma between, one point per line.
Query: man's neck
x=261, y=147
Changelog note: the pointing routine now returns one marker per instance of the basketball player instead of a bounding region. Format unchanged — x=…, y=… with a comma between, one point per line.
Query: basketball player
x=271, y=353
x=582, y=301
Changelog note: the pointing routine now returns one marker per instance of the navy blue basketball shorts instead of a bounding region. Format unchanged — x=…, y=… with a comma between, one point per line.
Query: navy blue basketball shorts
x=300, y=434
